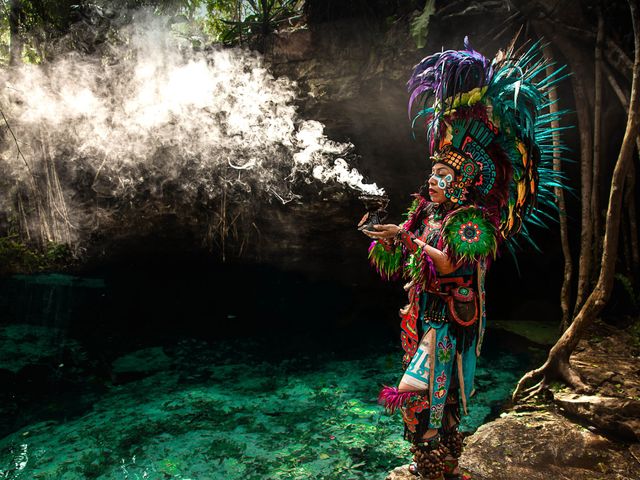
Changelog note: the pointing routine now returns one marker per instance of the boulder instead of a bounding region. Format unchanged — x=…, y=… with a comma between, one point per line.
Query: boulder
x=541, y=445
x=620, y=416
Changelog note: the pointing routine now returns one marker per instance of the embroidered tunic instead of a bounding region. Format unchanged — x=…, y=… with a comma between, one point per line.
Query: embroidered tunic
x=440, y=353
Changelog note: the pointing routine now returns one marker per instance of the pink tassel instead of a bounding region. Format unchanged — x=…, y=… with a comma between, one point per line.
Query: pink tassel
x=392, y=399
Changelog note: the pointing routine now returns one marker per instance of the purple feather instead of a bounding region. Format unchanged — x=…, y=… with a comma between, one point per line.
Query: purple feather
x=420, y=89
x=447, y=74
x=392, y=399
x=426, y=65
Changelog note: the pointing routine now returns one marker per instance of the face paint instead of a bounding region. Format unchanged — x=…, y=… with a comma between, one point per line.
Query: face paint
x=443, y=182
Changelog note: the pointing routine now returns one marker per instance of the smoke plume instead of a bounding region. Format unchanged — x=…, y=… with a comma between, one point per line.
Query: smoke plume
x=154, y=122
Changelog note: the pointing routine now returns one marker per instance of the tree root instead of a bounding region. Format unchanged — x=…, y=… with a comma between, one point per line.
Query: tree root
x=570, y=377
x=550, y=371
x=530, y=375
x=533, y=388
x=533, y=391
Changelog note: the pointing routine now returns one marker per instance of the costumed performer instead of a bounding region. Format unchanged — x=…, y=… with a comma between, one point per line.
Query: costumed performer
x=491, y=148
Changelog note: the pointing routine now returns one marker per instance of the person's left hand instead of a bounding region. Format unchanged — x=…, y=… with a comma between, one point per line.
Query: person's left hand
x=383, y=232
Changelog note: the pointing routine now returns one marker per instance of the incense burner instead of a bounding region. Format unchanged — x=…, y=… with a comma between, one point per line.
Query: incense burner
x=376, y=206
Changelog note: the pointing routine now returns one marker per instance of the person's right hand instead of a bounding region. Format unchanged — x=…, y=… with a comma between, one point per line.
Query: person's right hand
x=383, y=232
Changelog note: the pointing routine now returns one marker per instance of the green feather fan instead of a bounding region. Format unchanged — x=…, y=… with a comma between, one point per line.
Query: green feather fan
x=469, y=236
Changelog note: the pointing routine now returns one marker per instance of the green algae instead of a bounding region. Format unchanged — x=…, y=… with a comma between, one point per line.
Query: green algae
x=210, y=416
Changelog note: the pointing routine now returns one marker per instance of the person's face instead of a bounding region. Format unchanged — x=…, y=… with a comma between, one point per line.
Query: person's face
x=440, y=178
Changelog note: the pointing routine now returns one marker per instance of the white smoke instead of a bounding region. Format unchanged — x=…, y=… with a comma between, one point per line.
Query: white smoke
x=160, y=115
x=315, y=146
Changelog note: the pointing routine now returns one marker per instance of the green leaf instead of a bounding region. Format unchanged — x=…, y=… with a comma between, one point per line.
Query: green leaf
x=420, y=25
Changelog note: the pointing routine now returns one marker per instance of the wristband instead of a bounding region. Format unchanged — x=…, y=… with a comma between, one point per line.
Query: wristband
x=406, y=239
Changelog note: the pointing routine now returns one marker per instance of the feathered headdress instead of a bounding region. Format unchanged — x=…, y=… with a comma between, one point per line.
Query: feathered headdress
x=487, y=121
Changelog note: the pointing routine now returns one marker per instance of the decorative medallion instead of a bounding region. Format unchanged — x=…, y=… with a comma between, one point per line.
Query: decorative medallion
x=469, y=232
x=469, y=235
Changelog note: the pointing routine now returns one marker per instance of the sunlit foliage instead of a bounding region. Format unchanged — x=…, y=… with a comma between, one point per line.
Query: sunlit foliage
x=40, y=23
x=246, y=21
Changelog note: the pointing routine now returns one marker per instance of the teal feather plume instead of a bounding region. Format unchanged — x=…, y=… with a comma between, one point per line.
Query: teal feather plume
x=512, y=92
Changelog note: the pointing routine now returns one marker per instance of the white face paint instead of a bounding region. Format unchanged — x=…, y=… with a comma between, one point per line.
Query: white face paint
x=443, y=182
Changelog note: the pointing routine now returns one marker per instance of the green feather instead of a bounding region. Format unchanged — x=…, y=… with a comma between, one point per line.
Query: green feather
x=469, y=235
x=386, y=260
x=412, y=209
x=413, y=268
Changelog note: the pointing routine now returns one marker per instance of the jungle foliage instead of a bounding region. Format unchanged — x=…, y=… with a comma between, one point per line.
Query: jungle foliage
x=30, y=28
x=241, y=21
x=18, y=257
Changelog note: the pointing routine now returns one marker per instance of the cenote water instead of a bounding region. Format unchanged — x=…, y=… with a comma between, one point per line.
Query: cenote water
x=270, y=405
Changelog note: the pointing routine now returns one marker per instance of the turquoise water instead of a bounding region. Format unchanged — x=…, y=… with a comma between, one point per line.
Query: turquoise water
x=279, y=407
x=221, y=412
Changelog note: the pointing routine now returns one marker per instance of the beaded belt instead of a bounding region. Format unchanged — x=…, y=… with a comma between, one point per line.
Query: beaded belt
x=437, y=317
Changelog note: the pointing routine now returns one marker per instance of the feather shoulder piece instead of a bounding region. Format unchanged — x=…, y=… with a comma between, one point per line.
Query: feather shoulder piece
x=469, y=235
